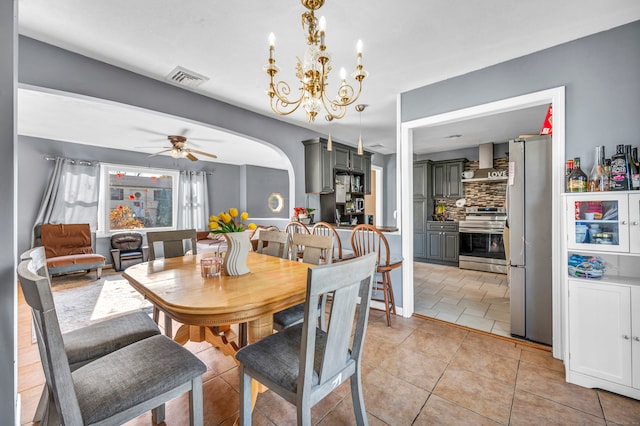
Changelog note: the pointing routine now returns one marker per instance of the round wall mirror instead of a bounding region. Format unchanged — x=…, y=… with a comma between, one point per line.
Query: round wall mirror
x=275, y=202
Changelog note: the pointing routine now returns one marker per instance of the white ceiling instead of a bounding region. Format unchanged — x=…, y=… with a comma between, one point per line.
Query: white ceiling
x=407, y=45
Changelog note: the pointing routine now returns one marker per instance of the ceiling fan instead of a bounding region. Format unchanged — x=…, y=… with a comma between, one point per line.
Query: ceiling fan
x=179, y=149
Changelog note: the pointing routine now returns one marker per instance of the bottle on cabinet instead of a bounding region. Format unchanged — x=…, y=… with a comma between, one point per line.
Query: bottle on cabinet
x=596, y=179
x=633, y=176
x=567, y=173
x=619, y=178
x=577, y=179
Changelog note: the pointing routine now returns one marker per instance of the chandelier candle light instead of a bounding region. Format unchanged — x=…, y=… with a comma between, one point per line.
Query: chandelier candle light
x=313, y=72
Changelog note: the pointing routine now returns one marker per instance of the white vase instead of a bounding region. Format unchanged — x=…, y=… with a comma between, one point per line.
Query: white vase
x=238, y=247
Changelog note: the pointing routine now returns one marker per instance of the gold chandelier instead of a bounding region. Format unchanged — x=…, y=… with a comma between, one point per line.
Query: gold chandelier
x=312, y=72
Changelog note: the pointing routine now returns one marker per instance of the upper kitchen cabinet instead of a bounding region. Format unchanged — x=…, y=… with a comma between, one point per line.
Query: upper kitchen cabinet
x=318, y=163
x=420, y=179
x=321, y=165
x=348, y=159
x=446, y=178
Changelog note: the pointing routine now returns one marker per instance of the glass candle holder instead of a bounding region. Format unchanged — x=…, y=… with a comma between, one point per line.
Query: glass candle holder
x=210, y=267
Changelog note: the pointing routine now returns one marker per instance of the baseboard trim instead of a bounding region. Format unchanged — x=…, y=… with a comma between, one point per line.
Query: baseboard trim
x=485, y=333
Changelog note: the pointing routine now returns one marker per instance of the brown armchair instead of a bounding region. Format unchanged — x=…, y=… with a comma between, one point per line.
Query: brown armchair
x=127, y=250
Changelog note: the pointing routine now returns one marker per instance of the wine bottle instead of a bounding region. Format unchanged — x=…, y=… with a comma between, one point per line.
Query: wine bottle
x=567, y=173
x=633, y=174
x=595, y=177
x=577, y=178
x=619, y=180
x=606, y=176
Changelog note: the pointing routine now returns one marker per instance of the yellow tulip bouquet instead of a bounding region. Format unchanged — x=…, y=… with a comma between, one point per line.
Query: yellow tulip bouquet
x=227, y=222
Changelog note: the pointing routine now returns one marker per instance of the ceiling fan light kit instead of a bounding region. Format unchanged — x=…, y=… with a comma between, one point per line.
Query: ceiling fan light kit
x=313, y=71
x=179, y=149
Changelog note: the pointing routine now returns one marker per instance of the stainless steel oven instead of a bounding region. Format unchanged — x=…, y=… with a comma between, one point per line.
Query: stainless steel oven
x=481, y=240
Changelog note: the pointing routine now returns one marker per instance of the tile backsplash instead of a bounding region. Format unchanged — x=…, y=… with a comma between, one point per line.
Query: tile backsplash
x=478, y=194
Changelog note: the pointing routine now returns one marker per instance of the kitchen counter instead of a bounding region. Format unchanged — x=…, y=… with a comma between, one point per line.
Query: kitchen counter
x=381, y=228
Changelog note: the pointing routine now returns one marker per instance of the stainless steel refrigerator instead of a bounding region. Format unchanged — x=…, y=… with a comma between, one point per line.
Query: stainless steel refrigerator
x=529, y=216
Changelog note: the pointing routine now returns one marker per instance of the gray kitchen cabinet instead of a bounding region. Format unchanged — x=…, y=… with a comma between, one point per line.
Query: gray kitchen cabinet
x=446, y=178
x=421, y=208
x=319, y=165
x=420, y=179
x=342, y=157
x=366, y=161
x=419, y=229
x=348, y=159
x=442, y=242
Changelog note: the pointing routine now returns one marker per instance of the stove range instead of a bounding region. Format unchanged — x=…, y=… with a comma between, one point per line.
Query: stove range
x=481, y=245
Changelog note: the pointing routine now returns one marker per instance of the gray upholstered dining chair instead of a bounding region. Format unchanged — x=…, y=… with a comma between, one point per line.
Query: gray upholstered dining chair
x=116, y=387
x=303, y=363
x=171, y=244
x=316, y=249
x=274, y=243
x=89, y=343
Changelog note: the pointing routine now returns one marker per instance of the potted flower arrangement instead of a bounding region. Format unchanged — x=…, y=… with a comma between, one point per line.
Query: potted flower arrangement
x=226, y=222
x=232, y=226
x=303, y=214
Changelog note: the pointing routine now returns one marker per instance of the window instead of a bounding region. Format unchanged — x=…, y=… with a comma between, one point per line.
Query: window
x=137, y=198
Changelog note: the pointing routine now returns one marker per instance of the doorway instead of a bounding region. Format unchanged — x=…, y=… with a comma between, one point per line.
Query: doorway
x=553, y=96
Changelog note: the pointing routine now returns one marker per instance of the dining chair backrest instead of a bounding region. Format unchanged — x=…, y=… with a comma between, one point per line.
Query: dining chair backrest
x=316, y=362
x=172, y=243
x=116, y=387
x=277, y=243
x=34, y=280
x=293, y=228
x=325, y=228
x=368, y=239
x=316, y=249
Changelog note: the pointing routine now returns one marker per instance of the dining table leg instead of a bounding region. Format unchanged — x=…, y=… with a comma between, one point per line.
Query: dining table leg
x=212, y=334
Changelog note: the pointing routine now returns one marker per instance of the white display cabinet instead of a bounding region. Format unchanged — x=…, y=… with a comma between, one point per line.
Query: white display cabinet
x=604, y=313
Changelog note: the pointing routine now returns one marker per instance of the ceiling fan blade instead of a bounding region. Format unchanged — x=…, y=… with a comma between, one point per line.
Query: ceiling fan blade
x=204, y=153
x=184, y=132
x=160, y=152
x=153, y=132
x=191, y=157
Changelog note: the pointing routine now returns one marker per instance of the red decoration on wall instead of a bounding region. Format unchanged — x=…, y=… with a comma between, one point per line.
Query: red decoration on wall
x=547, y=127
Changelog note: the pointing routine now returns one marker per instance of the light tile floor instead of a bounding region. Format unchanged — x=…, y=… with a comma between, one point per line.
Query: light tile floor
x=418, y=372
x=479, y=300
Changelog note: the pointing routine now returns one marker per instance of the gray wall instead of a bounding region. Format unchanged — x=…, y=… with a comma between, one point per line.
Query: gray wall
x=261, y=182
x=602, y=78
x=8, y=79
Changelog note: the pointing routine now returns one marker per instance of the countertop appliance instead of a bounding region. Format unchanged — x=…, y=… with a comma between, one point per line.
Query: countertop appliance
x=529, y=208
x=481, y=241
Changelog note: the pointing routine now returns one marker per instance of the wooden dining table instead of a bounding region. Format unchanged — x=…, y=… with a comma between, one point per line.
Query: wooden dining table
x=207, y=306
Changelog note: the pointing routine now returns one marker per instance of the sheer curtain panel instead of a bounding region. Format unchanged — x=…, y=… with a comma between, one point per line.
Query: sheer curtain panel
x=193, y=209
x=71, y=196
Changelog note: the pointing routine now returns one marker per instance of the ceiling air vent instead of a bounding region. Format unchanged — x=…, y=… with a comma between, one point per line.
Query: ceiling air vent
x=186, y=77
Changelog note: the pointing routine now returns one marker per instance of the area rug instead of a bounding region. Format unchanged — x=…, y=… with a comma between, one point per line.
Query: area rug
x=81, y=299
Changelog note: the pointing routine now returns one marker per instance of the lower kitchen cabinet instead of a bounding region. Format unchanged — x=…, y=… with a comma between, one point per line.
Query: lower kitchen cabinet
x=442, y=242
x=604, y=336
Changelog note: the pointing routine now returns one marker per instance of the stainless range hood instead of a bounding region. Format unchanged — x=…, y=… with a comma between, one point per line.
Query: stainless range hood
x=486, y=172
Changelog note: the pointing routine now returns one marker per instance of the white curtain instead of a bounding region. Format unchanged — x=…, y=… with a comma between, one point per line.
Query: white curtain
x=71, y=196
x=193, y=199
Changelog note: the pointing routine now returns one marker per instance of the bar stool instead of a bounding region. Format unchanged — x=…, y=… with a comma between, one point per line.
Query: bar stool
x=366, y=239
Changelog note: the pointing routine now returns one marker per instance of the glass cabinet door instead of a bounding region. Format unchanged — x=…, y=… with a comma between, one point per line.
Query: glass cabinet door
x=598, y=222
